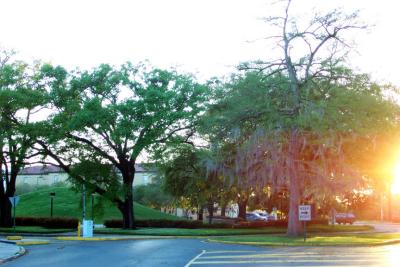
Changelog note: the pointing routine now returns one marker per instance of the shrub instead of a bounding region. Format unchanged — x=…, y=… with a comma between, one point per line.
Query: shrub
x=258, y=224
x=48, y=222
x=115, y=223
x=163, y=223
x=318, y=221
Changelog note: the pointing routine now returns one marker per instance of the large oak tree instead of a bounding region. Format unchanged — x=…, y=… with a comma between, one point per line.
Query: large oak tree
x=110, y=116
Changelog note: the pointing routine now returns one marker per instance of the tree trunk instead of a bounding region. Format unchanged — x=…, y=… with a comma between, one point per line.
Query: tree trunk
x=294, y=225
x=6, y=219
x=128, y=217
x=200, y=213
x=126, y=207
x=5, y=212
x=223, y=209
x=242, y=203
x=210, y=208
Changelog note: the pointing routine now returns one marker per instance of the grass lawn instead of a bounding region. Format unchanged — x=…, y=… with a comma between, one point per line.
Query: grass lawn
x=338, y=228
x=34, y=229
x=67, y=203
x=224, y=232
x=366, y=239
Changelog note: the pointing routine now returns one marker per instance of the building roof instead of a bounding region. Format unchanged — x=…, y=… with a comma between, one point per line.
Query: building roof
x=40, y=169
x=46, y=169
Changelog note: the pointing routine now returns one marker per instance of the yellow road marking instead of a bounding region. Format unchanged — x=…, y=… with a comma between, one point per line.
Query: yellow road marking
x=28, y=243
x=14, y=237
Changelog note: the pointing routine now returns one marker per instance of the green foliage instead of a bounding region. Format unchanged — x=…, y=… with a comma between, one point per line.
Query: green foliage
x=21, y=96
x=152, y=195
x=189, y=178
x=108, y=116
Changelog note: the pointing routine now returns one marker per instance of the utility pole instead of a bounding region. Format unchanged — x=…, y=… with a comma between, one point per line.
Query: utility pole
x=83, y=202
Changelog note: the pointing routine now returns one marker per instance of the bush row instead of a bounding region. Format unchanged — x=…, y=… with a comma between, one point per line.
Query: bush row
x=48, y=222
x=163, y=223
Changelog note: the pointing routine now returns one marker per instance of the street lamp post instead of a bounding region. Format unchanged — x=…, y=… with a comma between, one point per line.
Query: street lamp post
x=83, y=202
x=52, y=195
x=92, y=206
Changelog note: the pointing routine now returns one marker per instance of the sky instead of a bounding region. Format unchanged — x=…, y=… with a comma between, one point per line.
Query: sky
x=204, y=37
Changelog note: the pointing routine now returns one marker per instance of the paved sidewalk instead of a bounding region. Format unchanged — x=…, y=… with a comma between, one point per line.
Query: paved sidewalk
x=10, y=251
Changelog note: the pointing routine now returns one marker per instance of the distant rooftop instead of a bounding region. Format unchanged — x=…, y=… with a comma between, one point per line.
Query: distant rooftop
x=40, y=169
x=46, y=169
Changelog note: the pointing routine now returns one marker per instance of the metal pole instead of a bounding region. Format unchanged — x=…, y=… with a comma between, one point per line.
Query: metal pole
x=305, y=230
x=92, y=207
x=14, y=212
x=51, y=206
x=83, y=202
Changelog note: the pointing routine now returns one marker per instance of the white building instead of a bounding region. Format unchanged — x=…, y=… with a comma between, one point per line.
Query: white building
x=49, y=175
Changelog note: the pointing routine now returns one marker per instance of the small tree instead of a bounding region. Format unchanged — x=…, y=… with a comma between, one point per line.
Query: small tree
x=20, y=97
x=187, y=176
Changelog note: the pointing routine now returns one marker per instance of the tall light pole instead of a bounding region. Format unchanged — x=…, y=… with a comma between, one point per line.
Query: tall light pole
x=52, y=195
x=92, y=206
x=83, y=202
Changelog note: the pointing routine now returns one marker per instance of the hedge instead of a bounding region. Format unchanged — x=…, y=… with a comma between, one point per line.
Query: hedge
x=164, y=223
x=48, y=222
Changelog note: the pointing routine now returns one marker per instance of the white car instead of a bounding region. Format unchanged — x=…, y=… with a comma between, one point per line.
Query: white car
x=254, y=216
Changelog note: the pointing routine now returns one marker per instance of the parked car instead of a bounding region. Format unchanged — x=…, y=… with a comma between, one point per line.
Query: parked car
x=343, y=218
x=262, y=214
x=254, y=216
x=268, y=217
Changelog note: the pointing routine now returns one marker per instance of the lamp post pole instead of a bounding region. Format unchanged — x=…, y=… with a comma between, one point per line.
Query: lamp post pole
x=92, y=207
x=52, y=195
x=83, y=202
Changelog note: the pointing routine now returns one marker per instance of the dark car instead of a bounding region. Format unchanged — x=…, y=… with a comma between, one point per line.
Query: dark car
x=343, y=218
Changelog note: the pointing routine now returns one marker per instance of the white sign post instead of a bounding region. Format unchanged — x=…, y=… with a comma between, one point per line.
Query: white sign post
x=87, y=228
x=304, y=216
x=14, y=202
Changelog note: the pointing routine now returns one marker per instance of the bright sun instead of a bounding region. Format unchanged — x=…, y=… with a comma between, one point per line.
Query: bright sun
x=396, y=180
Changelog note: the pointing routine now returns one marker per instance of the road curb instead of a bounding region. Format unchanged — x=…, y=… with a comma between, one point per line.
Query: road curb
x=22, y=252
x=25, y=243
x=94, y=239
x=30, y=243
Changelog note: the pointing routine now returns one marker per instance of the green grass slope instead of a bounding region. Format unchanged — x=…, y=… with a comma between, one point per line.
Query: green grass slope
x=68, y=203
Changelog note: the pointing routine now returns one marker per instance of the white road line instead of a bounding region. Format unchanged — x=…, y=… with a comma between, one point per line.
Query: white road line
x=231, y=251
x=288, y=256
x=281, y=262
x=288, y=253
x=195, y=258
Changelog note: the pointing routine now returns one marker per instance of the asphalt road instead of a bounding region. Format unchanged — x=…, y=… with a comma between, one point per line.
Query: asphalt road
x=196, y=252
x=386, y=227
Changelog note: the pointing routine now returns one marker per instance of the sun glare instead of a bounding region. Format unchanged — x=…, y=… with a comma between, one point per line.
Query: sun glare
x=396, y=180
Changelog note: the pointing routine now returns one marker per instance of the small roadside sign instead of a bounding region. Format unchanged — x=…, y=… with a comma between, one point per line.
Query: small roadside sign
x=14, y=200
x=87, y=228
x=304, y=212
